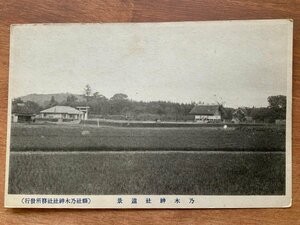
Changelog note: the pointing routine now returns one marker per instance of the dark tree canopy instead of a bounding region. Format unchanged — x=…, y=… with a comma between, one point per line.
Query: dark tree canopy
x=17, y=100
x=25, y=107
x=277, y=102
x=71, y=99
x=87, y=91
x=52, y=102
x=119, y=106
x=96, y=94
x=277, y=105
x=119, y=97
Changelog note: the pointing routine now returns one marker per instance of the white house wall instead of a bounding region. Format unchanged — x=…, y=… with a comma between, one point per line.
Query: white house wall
x=60, y=116
x=206, y=117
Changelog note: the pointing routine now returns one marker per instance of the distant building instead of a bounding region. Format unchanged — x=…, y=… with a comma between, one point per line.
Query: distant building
x=62, y=112
x=241, y=115
x=22, y=113
x=207, y=113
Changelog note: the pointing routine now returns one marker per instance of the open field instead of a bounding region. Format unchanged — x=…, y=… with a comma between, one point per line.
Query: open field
x=144, y=124
x=85, y=159
x=78, y=137
x=200, y=173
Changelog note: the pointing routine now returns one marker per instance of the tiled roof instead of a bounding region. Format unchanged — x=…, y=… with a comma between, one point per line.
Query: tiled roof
x=22, y=110
x=62, y=109
x=204, y=109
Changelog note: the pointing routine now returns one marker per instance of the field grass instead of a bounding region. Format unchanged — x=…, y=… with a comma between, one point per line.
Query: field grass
x=84, y=159
x=144, y=124
x=193, y=173
x=91, y=138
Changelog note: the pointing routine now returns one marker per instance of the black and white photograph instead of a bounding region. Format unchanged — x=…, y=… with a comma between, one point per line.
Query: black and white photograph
x=150, y=115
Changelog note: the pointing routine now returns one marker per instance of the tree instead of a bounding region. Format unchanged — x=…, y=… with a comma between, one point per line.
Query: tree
x=262, y=114
x=53, y=102
x=71, y=99
x=277, y=105
x=87, y=92
x=33, y=106
x=118, y=102
x=17, y=100
x=16, y=103
x=227, y=113
x=277, y=102
x=96, y=94
x=119, y=97
x=29, y=107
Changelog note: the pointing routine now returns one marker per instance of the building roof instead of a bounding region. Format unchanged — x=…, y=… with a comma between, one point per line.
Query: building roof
x=22, y=109
x=204, y=109
x=62, y=109
x=240, y=110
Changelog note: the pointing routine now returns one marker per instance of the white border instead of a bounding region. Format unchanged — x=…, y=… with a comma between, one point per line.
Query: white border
x=201, y=201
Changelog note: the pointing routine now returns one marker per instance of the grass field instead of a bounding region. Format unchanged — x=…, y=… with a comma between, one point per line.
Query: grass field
x=90, y=138
x=77, y=159
x=205, y=173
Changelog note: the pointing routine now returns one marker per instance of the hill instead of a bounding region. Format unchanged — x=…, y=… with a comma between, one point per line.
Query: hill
x=44, y=99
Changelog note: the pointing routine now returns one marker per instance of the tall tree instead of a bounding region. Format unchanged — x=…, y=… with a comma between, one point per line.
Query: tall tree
x=71, y=100
x=33, y=107
x=118, y=102
x=277, y=104
x=87, y=92
x=96, y=94
x=53, y=102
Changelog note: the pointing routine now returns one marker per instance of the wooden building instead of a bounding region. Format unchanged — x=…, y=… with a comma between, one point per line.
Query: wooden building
x=207, y=113
x=22, y=113
x=62, y=112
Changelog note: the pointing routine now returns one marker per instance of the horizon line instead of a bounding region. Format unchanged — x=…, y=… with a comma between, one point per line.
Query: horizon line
x=149, y=101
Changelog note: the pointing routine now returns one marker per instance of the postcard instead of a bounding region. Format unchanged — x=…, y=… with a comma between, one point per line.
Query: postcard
x=150, y=115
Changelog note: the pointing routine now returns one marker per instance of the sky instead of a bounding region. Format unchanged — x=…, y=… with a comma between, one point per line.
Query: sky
x=237, y=63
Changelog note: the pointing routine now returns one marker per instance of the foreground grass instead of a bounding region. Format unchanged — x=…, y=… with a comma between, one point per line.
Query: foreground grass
x=192, y=173
x=86, y=138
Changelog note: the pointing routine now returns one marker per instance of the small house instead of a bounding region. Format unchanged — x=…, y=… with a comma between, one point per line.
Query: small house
x=22, y=113
x=207, y=113
x=62, y=112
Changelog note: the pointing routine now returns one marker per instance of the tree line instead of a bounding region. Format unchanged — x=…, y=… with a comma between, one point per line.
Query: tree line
x=119, y=106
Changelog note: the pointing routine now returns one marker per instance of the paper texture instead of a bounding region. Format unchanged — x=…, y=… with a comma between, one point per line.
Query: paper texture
x=150, y=115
